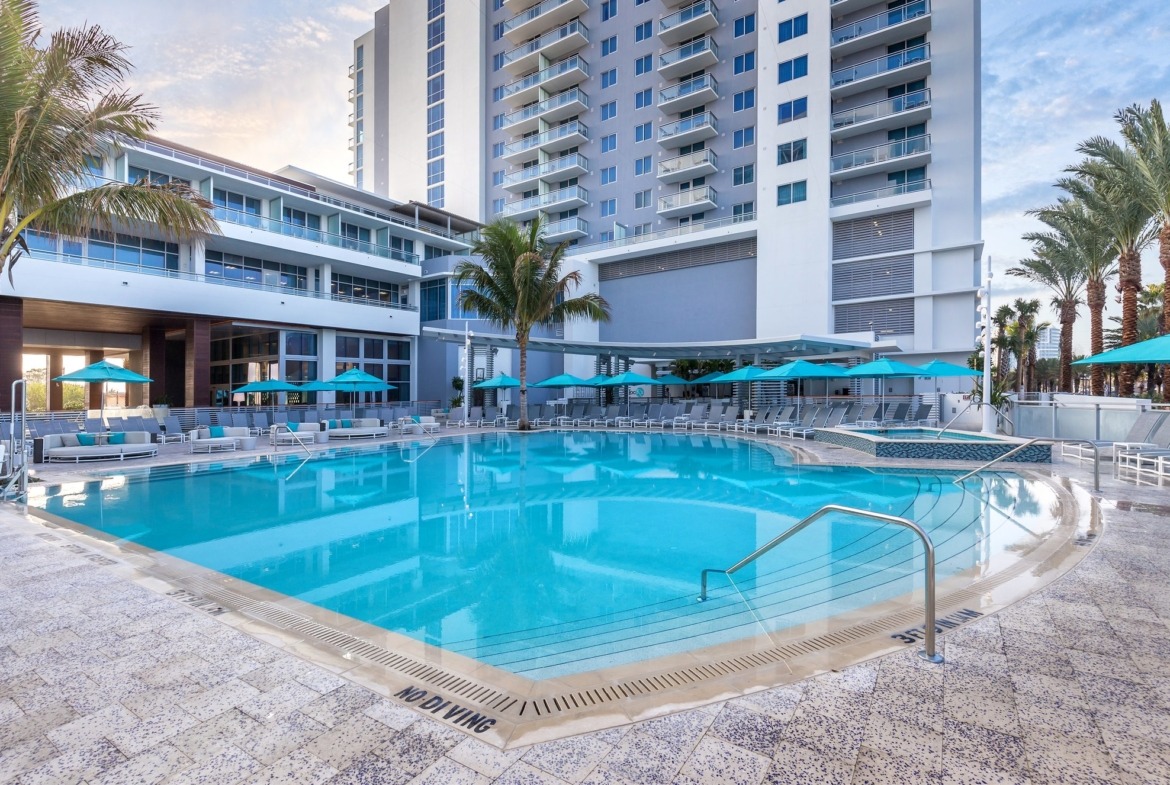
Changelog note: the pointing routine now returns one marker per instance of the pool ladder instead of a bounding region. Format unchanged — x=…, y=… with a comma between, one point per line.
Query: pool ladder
x=928, y=652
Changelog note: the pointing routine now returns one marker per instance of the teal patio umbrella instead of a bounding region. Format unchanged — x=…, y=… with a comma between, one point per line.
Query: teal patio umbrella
x=798, y=370
x=316, y=386
x=501, y=382
x=357, y=380
x=707, y=378
x=101, y=372
x=939, y=368
x=670, y=378
x=628, y=379
x=268, y=386
x=748, y=373
x=884, y=368
x=1155, y=350
x=562, y=380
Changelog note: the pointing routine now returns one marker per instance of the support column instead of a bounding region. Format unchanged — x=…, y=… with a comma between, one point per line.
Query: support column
x=136, y=394
x=56, y=389
x=197, y=372
x=154, y=364
x=94, y=391
x=11, y=347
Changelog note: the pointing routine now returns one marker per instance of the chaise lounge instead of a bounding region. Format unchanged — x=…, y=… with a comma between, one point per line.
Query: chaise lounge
x=221, y=438
x=78, y=447
x=361, y=428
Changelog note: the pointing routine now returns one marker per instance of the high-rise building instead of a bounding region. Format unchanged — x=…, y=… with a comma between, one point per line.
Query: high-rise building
x=1048, y=343
x=726, y=170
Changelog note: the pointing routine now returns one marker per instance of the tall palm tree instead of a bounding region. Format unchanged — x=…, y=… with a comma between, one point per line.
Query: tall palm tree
x=520, y=285
x=1078, y=245
x=59, y=106
x=1025, y=334
x=1004, y=316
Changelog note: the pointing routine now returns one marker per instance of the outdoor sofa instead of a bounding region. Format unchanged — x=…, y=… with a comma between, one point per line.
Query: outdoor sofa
x=217, y=438
x=301, y=433
x=360, y=428
x=114, y=446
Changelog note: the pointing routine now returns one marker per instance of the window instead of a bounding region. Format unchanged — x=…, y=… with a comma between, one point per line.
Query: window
x=605, y=237
x=643, y=65
x=643, y=31
x=434, y=89
x=609, y=9
x=744, y=137
x=232, y=267
x=743, y=210
x=640, y=2
x=608, y=175
x=608, y=78
x=608, y=45
x=642, y=165
x=435, y=172
x=791, y=151
x=745, y=62
x=643, y=132
x=792, y=110
x=299, y=218
x=790, y=193
x=359, y=81
x=137, y=173
x=434, y=118
x=435, y=8
x=642, y=199
x=609, y=110
x=351, y=286
x=497, y=149
x=498, y=177
x=643, y=98
x=241, y=207
x=793, y=69
x=435, y=196
x=641, y=229
x=434, y=61
x=435, y=145
x=497, y=61
x=745, y=25
x=497, y=206
x=742, y=175
x=608, y=143
x=744, y=100
x=126, y=249
x=793, y=28
x=608, y=207
x=435, y=31
x=360, y=57
x=432, y=297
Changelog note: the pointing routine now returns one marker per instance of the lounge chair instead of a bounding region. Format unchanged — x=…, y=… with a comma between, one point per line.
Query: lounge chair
x=808, y=417
x=173, y=430
x=731, y=418
x=608, y=417
x=922, y=416
x=866, y=417
x=1140, y=455
x=572, y=412
x=1139, y=434
x=590, y=414
x=474, y=417
x=548, y=415
x=94, y=425
x=634, y=413
x=760, y=416
x=757, y=425
x=898, y=416
x=665, y=415
x=507, y=418
x=825, y=417
x=712, y=420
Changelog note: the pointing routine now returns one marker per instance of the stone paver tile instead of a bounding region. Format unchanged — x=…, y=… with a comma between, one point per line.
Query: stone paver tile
x=904, y=739
x=794, y=764
x=9, y=710
x=837, y=738
x=207, y=738
x=1038, y=717
x=1052, y=758
x=682, y=728
x=484, y=758
x=391, y=714
x=860, y=678
x=878, y=767
x=1105, y=691
x=279, y=701
x=1150, y=760
x=146, y=768
x=151, y=702
x=962, y=771
x=830, y=700
x=977, y=709
x=570, y=759
x=74, y=765
x=520, y=773
x=748, y=729
x=345, y=743
x=230, y=766
x=1131, y=721
x=148, y=733
x=779, y=702
x=642, y=758
x=218, y=699
x=1050, y=690
x=34, y=724
x=368, y=768
x=339, y=705
x=998, y=750
x=271, y=741
x=297, y=768
x=716, y=762
x=445, y=771
x=24, y=755
x=417, y=747
x=1100, y=665
x=87, y=730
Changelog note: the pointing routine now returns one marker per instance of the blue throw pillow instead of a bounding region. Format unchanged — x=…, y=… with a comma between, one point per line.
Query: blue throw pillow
x=117, y=438
x=347, y=423
x=216, y=431
x=415, y=418
x=87, y=439
x=292, y=426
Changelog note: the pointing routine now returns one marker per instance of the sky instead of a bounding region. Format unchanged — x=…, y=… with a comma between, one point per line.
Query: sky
x=264, y=82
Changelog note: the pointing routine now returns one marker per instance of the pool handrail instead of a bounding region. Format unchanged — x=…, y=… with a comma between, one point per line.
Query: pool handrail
x=276, y=428
x=1038, y=440
x=928, y=652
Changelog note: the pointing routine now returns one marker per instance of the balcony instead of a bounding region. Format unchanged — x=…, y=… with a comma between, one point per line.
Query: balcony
x=689, y=94
x=566, y=229
x=891, y=113
x=842, y=8
x=691, y=129
x=694, y=200
x=891, y=197
x=691, y=21
x=541, y=17
x=688, y=57
x=553, y=140
x=557, y=107
x=902, y=154
x=253, y=221
x=906, y=66
x=888, y=27
x=563, y=199
x=553, y=44
x=687, y=167
x=676, y=3
x=572, y=165
x=558, y=76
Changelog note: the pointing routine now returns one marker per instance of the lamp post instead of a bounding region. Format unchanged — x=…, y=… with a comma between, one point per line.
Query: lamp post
x=989, y=412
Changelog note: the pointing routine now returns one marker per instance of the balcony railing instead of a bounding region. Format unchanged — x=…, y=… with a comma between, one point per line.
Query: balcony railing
x=880, y=193
x=574, y=225
x=541, y=201
x=704, y=44
x=879, y=109
x=689, y=87
x=666, y=234
x=881, y=65
x=902, y=148
x=684, y=199
x=571, y=161
x=551, y=135
x=556, y=69
x=692, y=123
x=682, y=163
x=687, y=14
x=894, y=16
x=536, y=44
x=571, y=95
x=529, y=14
x=241, y=218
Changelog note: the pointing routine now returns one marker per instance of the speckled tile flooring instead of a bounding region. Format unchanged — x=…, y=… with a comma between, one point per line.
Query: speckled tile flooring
x=105, y=681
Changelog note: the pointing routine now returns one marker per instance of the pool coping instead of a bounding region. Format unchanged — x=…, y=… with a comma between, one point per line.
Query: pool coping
x=507, y=710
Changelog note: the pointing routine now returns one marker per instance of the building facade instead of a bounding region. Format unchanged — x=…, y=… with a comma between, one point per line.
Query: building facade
x=724, y=170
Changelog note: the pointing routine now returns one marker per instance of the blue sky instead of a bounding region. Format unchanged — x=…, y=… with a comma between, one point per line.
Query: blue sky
x=264, y=82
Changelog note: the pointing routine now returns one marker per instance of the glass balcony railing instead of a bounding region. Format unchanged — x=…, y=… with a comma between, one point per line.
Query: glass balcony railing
x=687, y=14
x=529, y=14
x=547, y=105
x=241, y=218
x=556, y=69
x=685, y=199
x=692, y=123
x=541, y=201
x=881, y=65
x=704, y=44
x=551, y=135
x=895, y=16
x=884, y=152
x=536, y=44
x=886, y=108
x=565, y=226
x=571, y=161
x=880, y=193
x=689, y=161
x=689, y=87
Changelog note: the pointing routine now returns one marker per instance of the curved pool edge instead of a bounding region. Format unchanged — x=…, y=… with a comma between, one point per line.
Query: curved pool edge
x=507, y=710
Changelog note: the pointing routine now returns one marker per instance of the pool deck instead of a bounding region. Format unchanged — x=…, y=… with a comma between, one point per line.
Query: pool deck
x=106, y=680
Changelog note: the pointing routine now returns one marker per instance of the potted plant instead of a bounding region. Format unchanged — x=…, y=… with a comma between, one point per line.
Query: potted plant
x=457, y=386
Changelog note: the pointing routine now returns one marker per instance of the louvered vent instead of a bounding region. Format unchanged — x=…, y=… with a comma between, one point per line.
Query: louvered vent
x=873, y=278
x=889, y=317
x=677, y=260
x=874, y=235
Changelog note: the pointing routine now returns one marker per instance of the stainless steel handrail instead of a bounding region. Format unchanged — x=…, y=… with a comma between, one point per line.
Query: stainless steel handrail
x=276, y=442
x=17, y=444
x=1038, y=440
x=928, y=653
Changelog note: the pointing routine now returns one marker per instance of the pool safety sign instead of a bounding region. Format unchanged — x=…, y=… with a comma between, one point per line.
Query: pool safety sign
x=448, y=711
x=948, y=622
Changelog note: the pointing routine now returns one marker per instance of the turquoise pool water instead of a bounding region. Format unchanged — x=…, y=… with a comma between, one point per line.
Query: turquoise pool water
x=561, y=552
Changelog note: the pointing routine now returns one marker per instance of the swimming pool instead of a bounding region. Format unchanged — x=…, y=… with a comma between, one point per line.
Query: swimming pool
x=932, y=444
x=555, y=553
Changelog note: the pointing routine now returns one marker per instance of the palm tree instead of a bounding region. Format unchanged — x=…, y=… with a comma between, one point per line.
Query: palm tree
x=59, y=106
x=1024, y=334
x=1004, y=316
x=520, y=285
